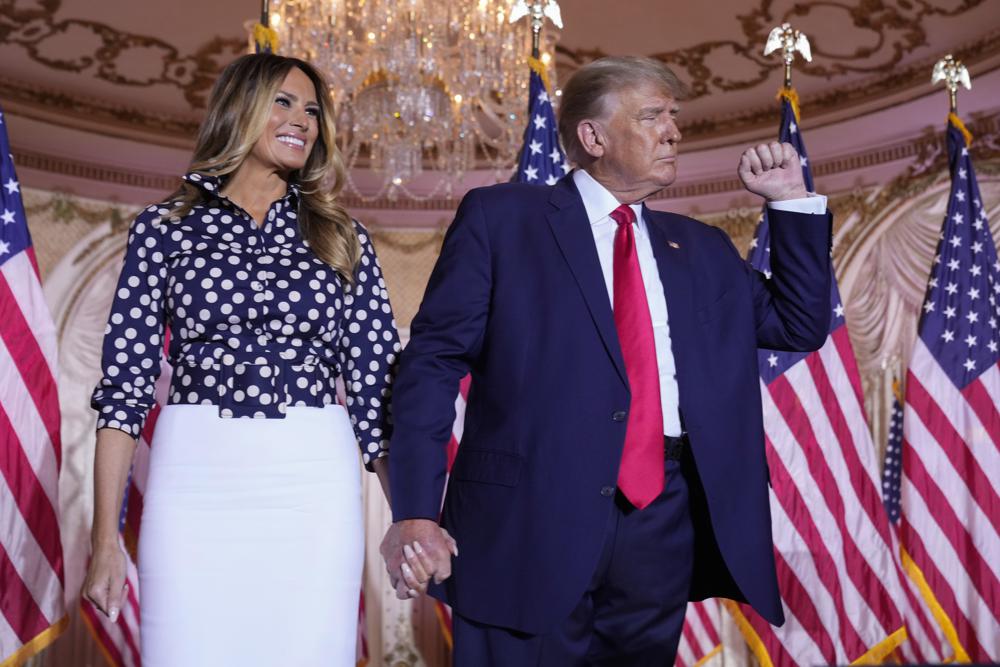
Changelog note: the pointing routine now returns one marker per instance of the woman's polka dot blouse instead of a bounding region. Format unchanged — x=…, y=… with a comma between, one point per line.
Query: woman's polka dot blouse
x=256, y=321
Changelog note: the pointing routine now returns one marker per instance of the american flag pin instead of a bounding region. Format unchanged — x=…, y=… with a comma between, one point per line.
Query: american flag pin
x=674, y=244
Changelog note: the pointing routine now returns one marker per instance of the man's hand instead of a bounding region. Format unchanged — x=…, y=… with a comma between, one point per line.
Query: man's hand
x=773, y=171
x=414, y=550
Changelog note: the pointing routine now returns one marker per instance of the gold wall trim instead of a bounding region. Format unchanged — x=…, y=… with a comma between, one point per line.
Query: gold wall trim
x=65, y=166
x=931, y=142
x=95, y=115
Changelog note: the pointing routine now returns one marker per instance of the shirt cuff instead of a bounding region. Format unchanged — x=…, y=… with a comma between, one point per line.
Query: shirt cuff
x=814, y=204
x=370, y=459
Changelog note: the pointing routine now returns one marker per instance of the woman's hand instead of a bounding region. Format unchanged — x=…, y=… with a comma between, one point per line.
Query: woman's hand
x=105, y=583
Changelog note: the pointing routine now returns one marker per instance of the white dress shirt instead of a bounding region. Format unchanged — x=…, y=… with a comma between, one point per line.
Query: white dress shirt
x=599, y=203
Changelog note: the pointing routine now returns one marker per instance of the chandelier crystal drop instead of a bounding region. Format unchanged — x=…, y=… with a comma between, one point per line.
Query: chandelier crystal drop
x=418, y=85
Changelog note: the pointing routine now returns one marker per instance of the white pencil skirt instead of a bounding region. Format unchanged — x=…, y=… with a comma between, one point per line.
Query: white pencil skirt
x=252, y=542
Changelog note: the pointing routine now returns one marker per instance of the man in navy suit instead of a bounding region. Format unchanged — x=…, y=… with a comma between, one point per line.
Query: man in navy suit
x=612, y=465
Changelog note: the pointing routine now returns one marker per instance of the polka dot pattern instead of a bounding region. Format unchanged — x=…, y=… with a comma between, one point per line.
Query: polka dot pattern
x=257, y=322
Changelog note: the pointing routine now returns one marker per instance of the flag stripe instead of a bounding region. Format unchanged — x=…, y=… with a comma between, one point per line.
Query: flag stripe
x=130, y=619
x=711, y=632
x=853, y=567
x=924, y=446
x=28, y=355
x=845, y=354
x=986, y=410
x=943, y=586
x=105, y=642
x=790, y=513
x=26, y=427
x=31, y=558
x=838, y=361
x=29, y=497
x=920, y=628
x=37, y=575
x=957, y=419
x=685, y=651
x=702, y=642
x=981, y=577
x=21, y=276
x=778, y=652
x=862, y=505
x=941, y=432
x=10, y=643
x=17, y=604
x=991, y=385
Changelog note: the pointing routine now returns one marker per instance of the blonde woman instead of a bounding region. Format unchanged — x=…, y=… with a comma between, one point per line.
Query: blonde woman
x=252, y=541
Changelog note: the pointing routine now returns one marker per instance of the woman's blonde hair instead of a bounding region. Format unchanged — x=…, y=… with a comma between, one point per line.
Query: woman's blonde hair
x=238, y=111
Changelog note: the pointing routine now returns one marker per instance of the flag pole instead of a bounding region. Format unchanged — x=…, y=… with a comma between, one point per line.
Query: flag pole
x=788, y=40
x=538, y=11
x=953, y=74
x=264, y=36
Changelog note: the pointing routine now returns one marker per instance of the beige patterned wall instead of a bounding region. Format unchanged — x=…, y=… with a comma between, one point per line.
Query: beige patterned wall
x=884, y=241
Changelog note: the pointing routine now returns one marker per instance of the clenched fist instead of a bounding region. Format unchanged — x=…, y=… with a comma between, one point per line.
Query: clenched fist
x=773, y=171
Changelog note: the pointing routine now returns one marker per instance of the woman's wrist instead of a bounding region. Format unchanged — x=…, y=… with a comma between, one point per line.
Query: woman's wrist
x=102, y=543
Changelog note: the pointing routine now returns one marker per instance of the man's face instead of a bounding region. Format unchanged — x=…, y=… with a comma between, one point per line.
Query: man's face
x=640, y=139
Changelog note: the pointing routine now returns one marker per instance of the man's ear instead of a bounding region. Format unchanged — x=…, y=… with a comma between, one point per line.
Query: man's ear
x=591, y=136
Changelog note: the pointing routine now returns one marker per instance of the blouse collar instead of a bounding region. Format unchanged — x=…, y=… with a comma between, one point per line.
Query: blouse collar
x=212, y=184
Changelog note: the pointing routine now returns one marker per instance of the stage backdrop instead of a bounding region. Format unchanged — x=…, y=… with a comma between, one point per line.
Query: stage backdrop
x=884, y=243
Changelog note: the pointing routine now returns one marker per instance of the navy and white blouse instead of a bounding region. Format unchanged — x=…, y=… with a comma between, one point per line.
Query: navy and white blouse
x=257, y=322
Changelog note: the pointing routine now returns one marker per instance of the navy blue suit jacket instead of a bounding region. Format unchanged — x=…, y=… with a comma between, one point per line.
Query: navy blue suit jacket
x=517, y=298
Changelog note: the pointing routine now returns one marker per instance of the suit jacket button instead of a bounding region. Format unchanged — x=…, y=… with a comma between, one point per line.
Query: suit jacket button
x=618, y=416
x=607, y=491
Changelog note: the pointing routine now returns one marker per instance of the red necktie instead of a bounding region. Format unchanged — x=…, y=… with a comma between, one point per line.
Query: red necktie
x=640, y=477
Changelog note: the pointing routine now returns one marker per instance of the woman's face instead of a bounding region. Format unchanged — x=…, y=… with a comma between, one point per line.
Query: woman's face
x=293, y=126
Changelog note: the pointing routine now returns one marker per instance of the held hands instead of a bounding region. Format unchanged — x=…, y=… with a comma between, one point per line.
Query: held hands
x=773, y=171
x=105, y=583
x=414, y=550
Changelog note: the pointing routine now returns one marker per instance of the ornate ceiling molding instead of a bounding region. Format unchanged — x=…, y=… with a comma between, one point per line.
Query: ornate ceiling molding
x=109, y=54
x=896, y=30
x=94, y=115
x=92, y=171
x=893, y=30
x=873, y=94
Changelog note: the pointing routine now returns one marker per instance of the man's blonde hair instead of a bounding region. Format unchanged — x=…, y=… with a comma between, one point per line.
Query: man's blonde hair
x=585, y=94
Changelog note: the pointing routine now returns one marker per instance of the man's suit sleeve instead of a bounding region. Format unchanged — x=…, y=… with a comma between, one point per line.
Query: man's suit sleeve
x=792, y=309
x=445, y=339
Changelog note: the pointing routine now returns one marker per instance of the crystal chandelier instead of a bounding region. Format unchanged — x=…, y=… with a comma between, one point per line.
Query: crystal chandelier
x=419, y=86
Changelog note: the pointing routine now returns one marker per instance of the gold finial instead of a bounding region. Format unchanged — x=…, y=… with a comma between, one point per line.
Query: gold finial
x=787, y=39
x=953, y=73
x=539, y=11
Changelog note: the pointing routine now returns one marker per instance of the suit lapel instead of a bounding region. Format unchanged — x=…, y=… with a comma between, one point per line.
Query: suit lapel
x=568, y=221
x=674, y=264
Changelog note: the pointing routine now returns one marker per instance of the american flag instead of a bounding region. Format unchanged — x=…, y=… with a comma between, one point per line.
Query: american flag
x=927, y=641
x=892, y=466
x=950, y=491
x=837, y=576
x=32, y=609
x=542, y=160
x=700, y=636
